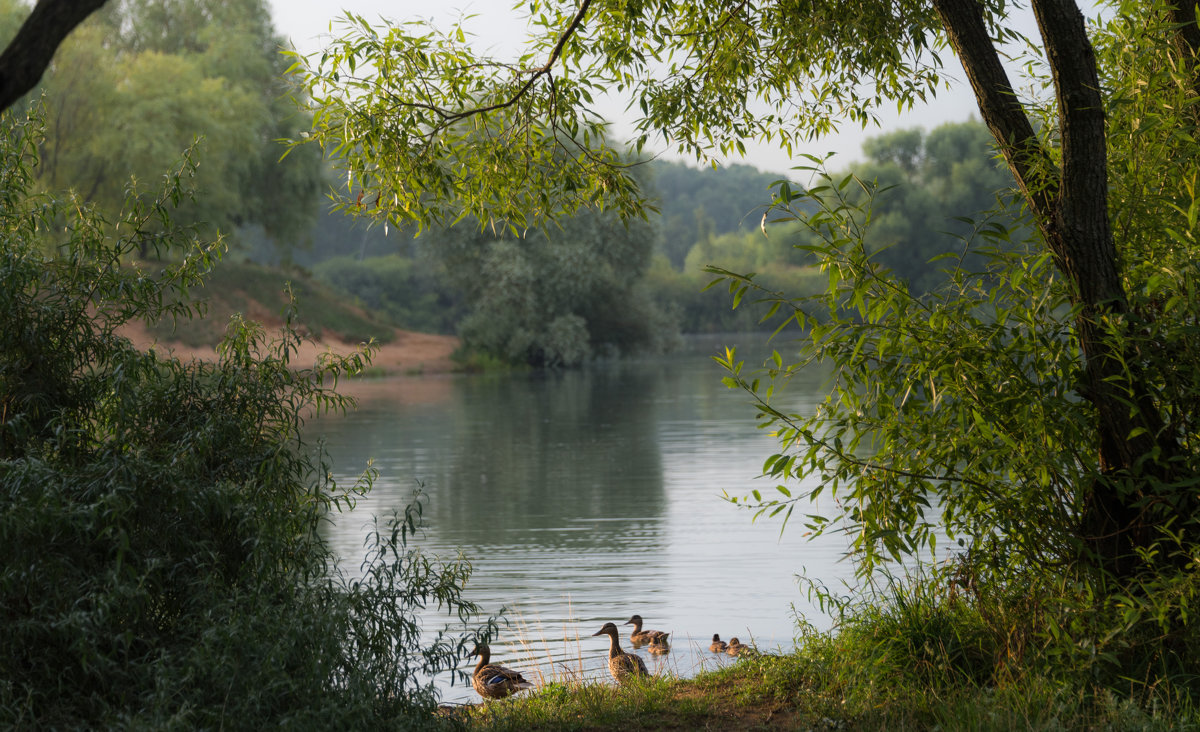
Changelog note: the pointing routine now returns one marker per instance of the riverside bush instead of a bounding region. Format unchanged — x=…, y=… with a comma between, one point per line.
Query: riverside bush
x=955, y=426
x=160, y=561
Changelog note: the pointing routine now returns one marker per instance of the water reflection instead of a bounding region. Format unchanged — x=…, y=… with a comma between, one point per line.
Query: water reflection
x=552, y=450
x=585, y=497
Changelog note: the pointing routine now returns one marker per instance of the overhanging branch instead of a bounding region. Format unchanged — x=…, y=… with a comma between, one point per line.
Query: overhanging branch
x=28, y=54
x=538, y=72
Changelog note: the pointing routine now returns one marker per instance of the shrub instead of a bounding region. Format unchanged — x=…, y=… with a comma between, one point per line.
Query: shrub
x=160, y=563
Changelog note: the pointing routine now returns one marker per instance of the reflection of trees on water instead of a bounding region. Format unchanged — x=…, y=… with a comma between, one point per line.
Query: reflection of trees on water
x=550, y=450
x=557, y=461
x=580, y=497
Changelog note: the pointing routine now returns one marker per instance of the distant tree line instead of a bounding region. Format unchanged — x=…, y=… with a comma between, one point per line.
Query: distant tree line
x=142, y=80
x=499, y=292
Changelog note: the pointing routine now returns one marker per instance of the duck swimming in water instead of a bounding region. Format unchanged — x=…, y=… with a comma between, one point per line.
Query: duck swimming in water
x=641, y=637
x=659, y=644
x=735, y=647
x=718, y=645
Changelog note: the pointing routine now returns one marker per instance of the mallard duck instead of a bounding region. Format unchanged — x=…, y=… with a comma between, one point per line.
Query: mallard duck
x=621, y=665
x=492, y=680
x=659, y=644
x=718, y=645
x=640, y=637
x=735, y=647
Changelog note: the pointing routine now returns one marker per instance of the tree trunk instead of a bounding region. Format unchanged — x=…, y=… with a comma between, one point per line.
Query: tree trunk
x=28, y=54
x=1187, y=39
x=1070, y=206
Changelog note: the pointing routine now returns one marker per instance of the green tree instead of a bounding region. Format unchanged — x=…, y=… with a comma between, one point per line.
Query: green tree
x=411, y=292
x=137, y=85
x=929, y=187
x=694, y=201
x=431, y=132
x=556, y=297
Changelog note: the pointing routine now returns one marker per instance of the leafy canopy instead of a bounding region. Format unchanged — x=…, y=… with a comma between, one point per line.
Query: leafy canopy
x=962, y=414
x=426, y=129
x=141, y=81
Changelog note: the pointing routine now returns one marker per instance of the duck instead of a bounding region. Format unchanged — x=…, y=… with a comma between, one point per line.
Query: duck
x=621, y=665
x=640, y=637
x=718, y=645
x=735, y=647
x=492, y=680
x=659, y=644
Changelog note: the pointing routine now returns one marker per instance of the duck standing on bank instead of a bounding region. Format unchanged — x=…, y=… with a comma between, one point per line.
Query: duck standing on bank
x=735, y=647
x=492, y=680
x=718, y=645
x=621, y=665
x=641, y=637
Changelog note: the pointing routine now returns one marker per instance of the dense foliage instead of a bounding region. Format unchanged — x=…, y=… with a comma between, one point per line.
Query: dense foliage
x=160, y=560
x=962, y=413
x=697, y=204
x=708, y=217
x=1036, y=404
x=140, y=81
x=928, y=189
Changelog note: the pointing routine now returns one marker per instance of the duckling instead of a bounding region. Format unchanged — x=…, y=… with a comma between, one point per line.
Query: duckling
x=718, y=645
x=659, y=644
x=735, y=647
x=621, y=665
x=641, y=637
x=492, y=680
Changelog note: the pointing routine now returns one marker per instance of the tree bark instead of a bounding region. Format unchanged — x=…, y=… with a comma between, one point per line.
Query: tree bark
x=1186, y=39
x=1070, y=206
x=29, y=53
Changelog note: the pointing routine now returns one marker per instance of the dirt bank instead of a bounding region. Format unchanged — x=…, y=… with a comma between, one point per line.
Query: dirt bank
x=407, y=353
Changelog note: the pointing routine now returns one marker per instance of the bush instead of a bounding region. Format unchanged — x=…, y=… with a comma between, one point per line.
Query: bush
x=958, y=417
x=160, y=563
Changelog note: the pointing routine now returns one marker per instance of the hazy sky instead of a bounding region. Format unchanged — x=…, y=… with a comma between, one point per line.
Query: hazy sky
x=306, y=24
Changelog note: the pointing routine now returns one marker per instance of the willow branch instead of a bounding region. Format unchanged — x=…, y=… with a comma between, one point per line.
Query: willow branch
x=536, y=73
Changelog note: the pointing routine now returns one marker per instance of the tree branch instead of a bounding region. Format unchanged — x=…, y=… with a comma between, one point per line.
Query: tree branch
x=30, y=52
x=1032, y=167
x=538, y=72
x=1082, y=212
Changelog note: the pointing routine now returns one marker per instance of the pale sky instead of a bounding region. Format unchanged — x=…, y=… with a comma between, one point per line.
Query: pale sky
x=306, y=24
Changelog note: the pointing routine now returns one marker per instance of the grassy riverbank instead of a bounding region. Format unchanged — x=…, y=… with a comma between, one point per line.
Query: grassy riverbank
x=819, y=688
x=920, y=659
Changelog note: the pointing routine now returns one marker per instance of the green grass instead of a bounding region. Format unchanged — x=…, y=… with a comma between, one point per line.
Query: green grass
x=827, y=684
x=920, y=657
x=652, y=704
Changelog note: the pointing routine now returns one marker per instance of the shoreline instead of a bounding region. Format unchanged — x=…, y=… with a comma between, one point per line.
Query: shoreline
x=408, y=353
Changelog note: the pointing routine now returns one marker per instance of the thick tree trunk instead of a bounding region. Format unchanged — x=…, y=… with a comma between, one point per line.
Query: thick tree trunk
x=1070, y=206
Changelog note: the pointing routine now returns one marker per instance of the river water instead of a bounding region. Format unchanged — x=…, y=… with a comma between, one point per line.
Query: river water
x=587, y=496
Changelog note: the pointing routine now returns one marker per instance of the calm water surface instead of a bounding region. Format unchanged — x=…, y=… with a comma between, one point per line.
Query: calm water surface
x=585, y=497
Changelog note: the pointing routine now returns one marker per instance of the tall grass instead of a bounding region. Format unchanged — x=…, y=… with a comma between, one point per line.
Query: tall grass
x=925, y=652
